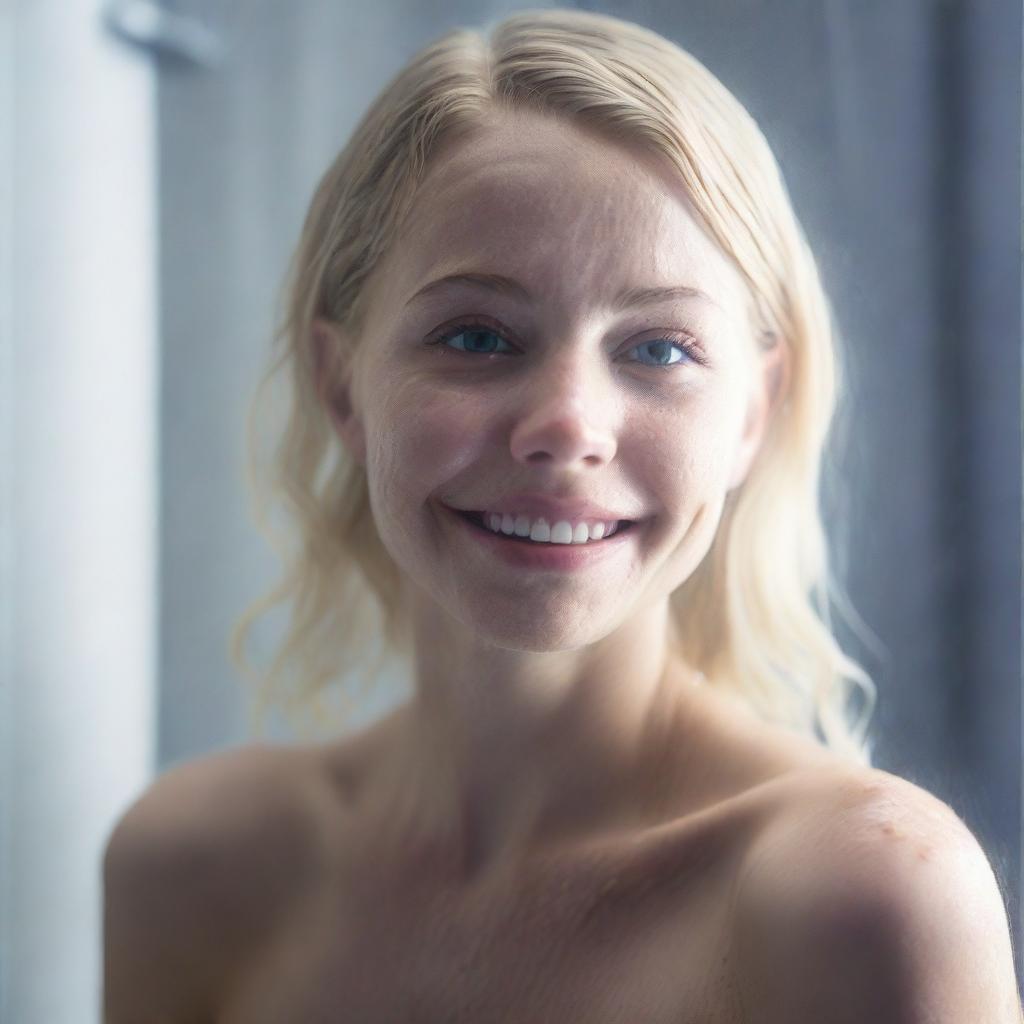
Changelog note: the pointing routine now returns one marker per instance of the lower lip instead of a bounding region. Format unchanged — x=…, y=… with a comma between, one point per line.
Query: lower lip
x=557, y=557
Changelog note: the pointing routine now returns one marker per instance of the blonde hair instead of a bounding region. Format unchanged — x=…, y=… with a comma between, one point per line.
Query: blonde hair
x=747, y=617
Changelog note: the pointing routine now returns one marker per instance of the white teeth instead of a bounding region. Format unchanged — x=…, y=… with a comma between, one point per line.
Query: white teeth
x=561, y=532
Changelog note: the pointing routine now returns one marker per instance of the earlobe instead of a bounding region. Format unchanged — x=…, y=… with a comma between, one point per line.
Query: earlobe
x=775, y=357
x=768, y=390
x=780, y=369
x=333, y=371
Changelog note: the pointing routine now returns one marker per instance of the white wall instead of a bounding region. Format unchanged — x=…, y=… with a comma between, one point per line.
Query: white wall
x=78, y=508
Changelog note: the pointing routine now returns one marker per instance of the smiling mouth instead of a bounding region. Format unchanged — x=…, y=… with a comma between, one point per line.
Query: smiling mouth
x=477, y=520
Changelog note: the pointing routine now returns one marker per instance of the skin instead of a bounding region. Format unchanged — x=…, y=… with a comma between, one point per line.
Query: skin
x=544, y=702
x=546, y=709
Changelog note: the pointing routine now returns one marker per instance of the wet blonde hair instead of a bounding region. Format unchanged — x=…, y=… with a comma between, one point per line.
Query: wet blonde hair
x=754, y=616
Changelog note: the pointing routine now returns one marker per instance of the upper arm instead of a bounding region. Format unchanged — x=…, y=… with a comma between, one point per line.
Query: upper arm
x=154, y=966
x=881, y=906
x=190, y=876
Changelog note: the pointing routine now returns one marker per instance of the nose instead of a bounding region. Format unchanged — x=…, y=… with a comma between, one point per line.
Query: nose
x=565, y=420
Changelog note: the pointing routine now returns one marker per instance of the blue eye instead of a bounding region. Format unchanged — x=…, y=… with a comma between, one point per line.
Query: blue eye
x=475, y=337
x=664, y=347
x=477, y=341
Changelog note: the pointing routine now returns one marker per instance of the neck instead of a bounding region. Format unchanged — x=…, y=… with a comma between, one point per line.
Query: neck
x=539, y=749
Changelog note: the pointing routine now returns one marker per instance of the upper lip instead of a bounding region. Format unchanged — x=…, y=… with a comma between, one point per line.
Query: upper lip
x=535, y=505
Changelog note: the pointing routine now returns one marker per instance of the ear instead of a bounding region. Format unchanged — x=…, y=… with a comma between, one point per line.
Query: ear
x=769, y=387
x=333, y=370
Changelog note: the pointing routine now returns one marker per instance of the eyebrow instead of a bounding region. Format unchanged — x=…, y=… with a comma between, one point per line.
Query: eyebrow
x=511, y=287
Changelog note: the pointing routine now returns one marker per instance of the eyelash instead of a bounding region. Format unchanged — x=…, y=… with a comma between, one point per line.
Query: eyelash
x=688, y=345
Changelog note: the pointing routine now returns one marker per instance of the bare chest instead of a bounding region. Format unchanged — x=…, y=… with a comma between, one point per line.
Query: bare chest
x=637, y=933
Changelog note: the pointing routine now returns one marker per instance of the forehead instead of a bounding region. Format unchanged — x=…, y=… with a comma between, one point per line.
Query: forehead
x=562, y=210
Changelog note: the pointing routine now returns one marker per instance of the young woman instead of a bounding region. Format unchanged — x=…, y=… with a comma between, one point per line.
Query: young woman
x=561, y=372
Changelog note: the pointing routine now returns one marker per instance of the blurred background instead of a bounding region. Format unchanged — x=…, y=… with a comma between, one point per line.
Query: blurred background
x=156, y=161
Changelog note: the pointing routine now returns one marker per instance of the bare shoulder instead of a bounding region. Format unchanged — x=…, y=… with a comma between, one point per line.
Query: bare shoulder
x=870, y=898
x=863, y=827
x=203, y=862
x=198, y=813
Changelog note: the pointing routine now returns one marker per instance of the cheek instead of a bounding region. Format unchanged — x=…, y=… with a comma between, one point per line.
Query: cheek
x=698, y=445
x=441, y=428
x=416, y=444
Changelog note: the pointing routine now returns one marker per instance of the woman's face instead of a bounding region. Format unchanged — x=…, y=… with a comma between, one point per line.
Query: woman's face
x=562, y=383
